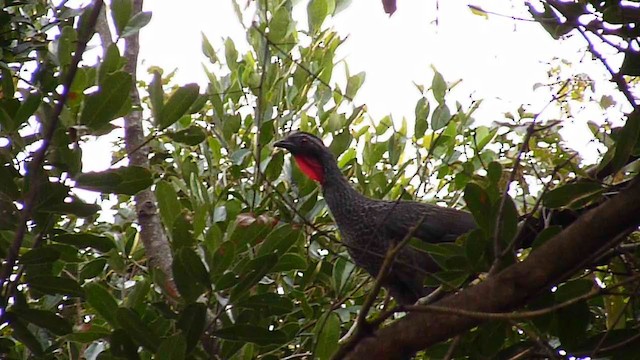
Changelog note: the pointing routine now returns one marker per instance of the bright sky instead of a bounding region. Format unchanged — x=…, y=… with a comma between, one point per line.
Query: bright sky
x=499, y=59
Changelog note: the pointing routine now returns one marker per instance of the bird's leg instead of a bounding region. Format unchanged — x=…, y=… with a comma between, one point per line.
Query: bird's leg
x=349, y=333
x=433, y=296
x=366, y=329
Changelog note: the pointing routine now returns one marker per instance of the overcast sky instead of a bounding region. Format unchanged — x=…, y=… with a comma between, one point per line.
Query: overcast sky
x=499, y=59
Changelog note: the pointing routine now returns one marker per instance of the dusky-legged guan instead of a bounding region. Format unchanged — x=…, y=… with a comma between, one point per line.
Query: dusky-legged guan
x=369, y=226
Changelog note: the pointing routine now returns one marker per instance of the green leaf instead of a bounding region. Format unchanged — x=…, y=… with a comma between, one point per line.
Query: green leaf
x=268, y=303
x=317, y=11
x=168, y=203
x=478, y=202
x=135, y=327
x=441, y=117
x=342, y=270
x=279, y=241
x=102, y=302
x=85, y=240
x=22, y=333
x=280, y=24
x=208, y=50
x=224, y=256
x=546, y=234
x=112, y=62
x=182, y=232
x=190, y=287
x=230, y=55
x=178, y=105
x=253, y=272
x=137, y=22
x=102, y=106
x=44, y=319
x=196, y=269
x=56, y=285
x=41, y=255
x=26, y=109
x=627, y=140
x=75, y=207
x=172, y=348
x=192, y=322
x=193, y=135
x=123, y=180
x=422, y=115
x=251, y=333
x=354, y=83
x=121, y=13
x=478, y=251
x=93, y=269
x=439, y=87
x=289, y=262
x=573, y=320
x=122, y=346
x=341, y=142
x=137, y=296
x=483, y=136
x=328, y=334
x=156, y=94
x=569, y=194
x=508, y=221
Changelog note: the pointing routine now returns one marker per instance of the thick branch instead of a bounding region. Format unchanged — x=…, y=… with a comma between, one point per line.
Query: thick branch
x=511, y=288
x=152, y=233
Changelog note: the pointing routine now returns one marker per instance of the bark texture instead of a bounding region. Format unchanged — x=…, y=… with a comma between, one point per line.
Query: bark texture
x=152, y=233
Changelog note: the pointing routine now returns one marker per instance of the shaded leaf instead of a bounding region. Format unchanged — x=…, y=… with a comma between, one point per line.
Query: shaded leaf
x=137, y=22
x=135, y=327
x=85, y=240
x=124, y=180
x=172, y=348
x=251, y=333
x=177, y=105
x=168, y=203
x=328, y=334
x=193, y=135
x=102, y=301
x=44, y=319
x=102, y=106
x=121, y=13
x=626, y=142
x=192, y=322
x=440, y=118
x=56, y=285
x=570, y=193
x=289, y=262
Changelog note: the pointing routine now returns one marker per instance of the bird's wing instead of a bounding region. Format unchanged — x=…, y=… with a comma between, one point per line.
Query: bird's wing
x=440, y=224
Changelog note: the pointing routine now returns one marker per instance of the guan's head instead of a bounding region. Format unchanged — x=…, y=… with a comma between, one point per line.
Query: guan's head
x=310, y=153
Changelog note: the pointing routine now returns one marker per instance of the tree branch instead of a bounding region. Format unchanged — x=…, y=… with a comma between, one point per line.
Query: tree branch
x=152, y=233
x=512, y=287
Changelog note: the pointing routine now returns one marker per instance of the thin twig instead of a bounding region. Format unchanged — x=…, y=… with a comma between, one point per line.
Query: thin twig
x=260, y=112
x=617, y=77
x=38, y=159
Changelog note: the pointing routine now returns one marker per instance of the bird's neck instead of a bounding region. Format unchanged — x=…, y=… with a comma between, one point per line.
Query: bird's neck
x=340, y=196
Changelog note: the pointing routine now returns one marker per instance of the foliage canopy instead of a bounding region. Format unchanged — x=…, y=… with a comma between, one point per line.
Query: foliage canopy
x=255, y=265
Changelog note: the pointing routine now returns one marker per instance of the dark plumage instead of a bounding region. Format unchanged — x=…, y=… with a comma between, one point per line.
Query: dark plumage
x=370, y=226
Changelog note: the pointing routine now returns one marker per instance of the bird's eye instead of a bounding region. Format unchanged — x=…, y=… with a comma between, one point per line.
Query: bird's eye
x=304, y=141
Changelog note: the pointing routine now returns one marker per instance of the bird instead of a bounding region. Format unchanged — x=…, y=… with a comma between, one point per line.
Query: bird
x=369, y=227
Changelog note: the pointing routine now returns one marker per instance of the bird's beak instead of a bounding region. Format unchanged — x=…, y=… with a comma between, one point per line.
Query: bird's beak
x=285, y=144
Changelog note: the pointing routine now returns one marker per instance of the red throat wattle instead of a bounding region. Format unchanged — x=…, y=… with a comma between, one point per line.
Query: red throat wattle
x=310, y=167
